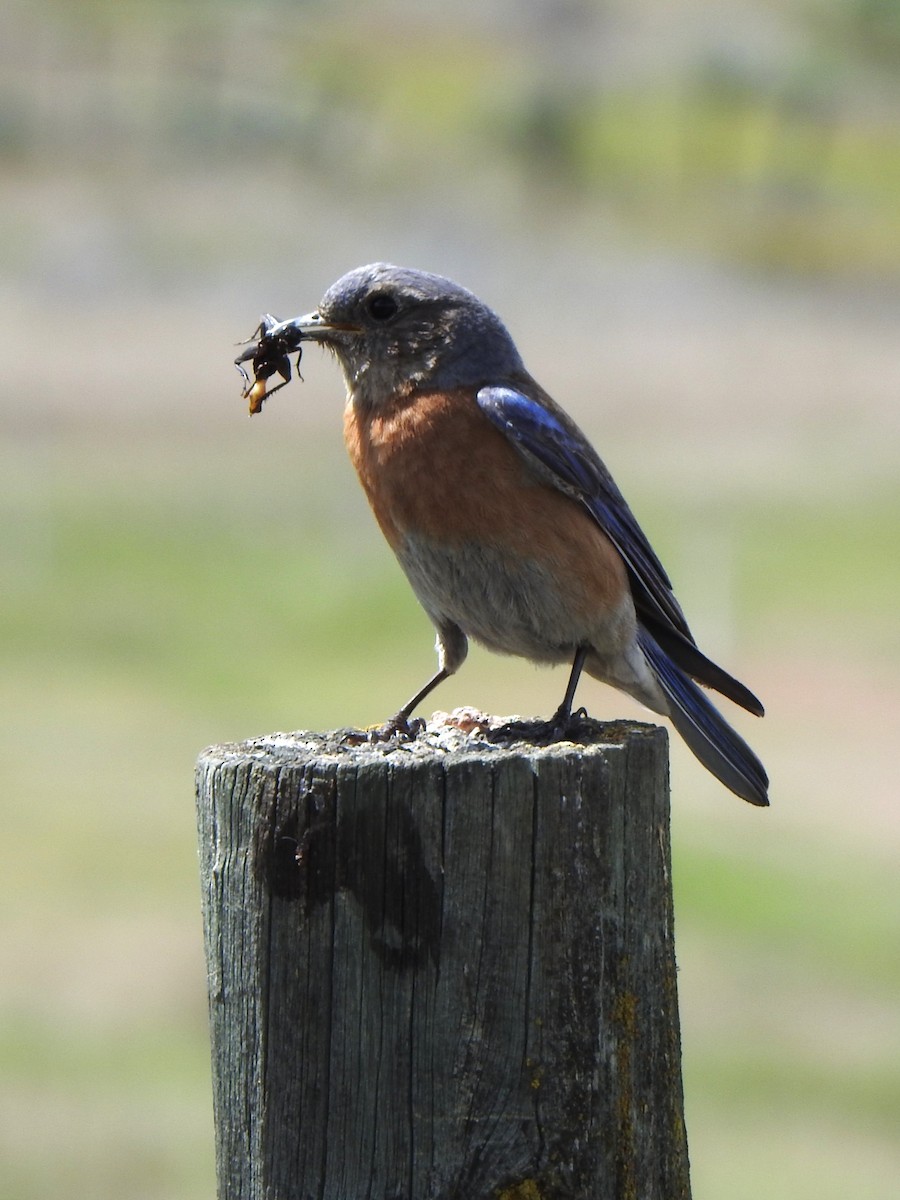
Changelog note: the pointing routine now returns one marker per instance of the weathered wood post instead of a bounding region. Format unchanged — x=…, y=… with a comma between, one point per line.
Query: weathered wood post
x=442, y=970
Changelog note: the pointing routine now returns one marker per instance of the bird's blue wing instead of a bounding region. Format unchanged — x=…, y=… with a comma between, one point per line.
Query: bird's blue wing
x=560, y=453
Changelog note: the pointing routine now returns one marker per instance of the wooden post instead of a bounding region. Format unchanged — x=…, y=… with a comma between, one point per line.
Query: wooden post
x=442, y=970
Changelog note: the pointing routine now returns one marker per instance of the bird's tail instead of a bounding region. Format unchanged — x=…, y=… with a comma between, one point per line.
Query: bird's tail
x=705, y=730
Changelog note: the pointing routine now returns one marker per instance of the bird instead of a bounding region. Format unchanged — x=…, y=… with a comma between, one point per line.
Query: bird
x=506, y=522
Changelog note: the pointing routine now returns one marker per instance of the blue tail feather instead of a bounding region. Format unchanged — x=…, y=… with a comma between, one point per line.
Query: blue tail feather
x=705, y=730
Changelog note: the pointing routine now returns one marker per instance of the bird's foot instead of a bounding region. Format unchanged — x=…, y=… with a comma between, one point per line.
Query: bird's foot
x=567, y=725
x=563, y=726
x=399, y=728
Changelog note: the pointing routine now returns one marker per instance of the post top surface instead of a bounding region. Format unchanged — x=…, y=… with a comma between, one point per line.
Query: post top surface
x=463, y=734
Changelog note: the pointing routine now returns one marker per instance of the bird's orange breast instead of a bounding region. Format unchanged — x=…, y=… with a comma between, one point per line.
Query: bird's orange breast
x=433, y=466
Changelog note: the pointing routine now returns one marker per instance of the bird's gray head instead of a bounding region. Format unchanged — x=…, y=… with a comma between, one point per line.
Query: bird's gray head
x=396, y=330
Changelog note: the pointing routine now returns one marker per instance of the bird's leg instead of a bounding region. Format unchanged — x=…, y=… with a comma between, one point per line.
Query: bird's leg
x=561, y=717
x=451, y=647
x=560, y=725
x=403, y=715
x=400, y=722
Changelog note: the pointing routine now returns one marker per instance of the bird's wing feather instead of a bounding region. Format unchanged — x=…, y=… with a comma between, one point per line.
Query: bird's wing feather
x=564, y=458
x=561, y=455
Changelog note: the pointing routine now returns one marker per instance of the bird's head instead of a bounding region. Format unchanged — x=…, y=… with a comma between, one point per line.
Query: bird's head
x=395, y=331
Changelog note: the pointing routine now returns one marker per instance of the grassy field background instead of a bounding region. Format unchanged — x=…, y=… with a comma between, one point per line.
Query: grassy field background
x=690, y=226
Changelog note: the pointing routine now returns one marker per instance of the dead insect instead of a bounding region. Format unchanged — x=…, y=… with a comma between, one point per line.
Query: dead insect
x=268, y=348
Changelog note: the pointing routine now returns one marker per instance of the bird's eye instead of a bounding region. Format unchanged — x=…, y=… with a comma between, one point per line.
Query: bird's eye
x=381, y=306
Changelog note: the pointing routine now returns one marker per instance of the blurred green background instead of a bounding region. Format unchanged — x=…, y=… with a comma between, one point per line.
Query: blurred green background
x=689, y=215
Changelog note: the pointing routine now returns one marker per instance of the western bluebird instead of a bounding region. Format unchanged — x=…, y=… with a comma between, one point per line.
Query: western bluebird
x=508, y=525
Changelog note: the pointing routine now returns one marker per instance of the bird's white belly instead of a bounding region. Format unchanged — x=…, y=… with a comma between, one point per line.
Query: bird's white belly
x=513, y=605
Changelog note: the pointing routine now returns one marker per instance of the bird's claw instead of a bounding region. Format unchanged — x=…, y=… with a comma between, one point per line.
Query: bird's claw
x=561, y=727
x=399, y=728
x=567, y=725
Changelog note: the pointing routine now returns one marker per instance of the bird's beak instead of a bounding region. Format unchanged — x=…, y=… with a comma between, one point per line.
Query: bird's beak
x=310, y=328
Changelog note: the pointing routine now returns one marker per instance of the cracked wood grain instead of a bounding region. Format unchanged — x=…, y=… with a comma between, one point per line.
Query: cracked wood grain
x=442, y=971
